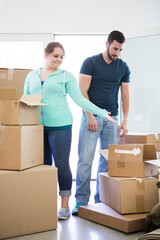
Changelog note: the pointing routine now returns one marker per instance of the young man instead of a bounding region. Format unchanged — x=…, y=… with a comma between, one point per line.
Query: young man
x=99, y=81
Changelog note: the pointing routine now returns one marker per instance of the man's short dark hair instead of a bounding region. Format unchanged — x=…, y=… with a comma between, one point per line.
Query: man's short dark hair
x=116, y=35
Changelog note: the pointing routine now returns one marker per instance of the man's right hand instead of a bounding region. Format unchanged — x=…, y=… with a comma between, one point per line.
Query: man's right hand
x=92, y=123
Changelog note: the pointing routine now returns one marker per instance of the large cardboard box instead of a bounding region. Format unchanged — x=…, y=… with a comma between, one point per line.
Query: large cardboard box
x=15, y=111
x=28, y=202
x=128, y=195
x=21, y=147
x=13, y=78
x=129, y=160
x=103, y=214
x=141, y=139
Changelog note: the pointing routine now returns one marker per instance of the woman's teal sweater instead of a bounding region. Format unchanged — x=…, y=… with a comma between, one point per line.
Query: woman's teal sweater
x=54, y=91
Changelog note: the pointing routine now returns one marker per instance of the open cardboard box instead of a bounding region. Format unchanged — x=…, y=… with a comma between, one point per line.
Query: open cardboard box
x=128, y=195
x=128, y=160
x=141, y=138
x=19, y=111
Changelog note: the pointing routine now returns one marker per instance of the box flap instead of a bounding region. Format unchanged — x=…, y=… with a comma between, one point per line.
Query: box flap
x=8, y=94
x=154, y=162
x=104, y=153
x=32, y=100
x=140, y=180
x=149, y=152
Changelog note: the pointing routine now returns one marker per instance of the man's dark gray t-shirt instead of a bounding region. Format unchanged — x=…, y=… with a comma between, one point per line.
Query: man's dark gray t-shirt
x=105, y=82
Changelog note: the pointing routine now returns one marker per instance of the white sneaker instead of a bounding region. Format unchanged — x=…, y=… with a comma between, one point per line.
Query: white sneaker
x=64, y=213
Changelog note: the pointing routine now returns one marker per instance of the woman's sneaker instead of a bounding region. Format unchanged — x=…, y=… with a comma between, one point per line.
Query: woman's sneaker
x=64, y=213
x=75, y=209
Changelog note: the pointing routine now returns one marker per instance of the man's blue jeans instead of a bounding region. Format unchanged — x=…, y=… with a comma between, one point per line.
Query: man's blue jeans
x=108, y=133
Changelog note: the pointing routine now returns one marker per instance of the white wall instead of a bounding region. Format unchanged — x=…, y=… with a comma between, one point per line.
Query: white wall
x=142, y=56
x=133, y=17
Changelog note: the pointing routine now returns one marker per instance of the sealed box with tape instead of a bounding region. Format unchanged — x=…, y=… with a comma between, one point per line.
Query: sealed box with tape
x=128, y=195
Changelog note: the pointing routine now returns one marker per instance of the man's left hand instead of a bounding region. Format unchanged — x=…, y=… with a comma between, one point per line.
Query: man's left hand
x=123, y=130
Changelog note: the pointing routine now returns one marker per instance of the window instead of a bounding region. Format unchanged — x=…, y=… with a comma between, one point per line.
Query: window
x=22, y=50
x=18, y=54
x=142, y=56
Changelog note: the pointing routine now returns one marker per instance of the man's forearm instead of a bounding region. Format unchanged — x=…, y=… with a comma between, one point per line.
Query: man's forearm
x=125, y=108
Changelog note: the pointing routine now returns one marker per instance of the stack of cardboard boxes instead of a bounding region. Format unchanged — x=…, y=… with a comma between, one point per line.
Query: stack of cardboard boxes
x=128, y=191
x=28, y=201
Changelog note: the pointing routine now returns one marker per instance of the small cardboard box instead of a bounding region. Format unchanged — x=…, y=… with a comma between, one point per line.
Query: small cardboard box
x=103, y=214
x=141, y=139
x=23, y=111
x=21, y=147
x=28, y=202
x=13, y=78
x=129, y=160
x=128, y=195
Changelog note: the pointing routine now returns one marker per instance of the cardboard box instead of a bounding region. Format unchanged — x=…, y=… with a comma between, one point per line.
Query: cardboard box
x=128, y=195
x=159, y=181
x=129, y=160
x=21, y=147
x=156, y=163
x=23, y=111
x=13, y=78
x=141, y=139
x=103, y=214
x=28, y=202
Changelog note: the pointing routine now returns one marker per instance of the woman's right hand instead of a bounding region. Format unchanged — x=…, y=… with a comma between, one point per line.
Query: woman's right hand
x=109, y=118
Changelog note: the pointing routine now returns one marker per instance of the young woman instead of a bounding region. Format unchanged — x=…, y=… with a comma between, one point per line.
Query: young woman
x=54, y=84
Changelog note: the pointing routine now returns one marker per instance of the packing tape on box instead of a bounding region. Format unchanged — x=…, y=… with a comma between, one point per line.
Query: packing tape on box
x=139, y=179
x=135, y=151
x=140, y=185
x=2, y=138
x=140, y=203
x=10, y=74
x=2, y=135
x=140, y=189
x=120, y=164
x=33, y=130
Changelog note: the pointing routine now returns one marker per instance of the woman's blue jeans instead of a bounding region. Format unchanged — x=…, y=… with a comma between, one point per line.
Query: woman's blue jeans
x=57, y=143
x=108, y=133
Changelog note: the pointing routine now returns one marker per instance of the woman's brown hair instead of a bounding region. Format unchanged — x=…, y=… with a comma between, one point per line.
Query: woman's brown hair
x=52, y=45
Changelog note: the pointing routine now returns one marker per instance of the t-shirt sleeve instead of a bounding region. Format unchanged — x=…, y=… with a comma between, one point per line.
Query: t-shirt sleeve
x=126, y=77
x=87, y=67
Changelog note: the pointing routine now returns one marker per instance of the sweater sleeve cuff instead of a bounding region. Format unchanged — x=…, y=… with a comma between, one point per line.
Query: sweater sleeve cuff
x=103, y=113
